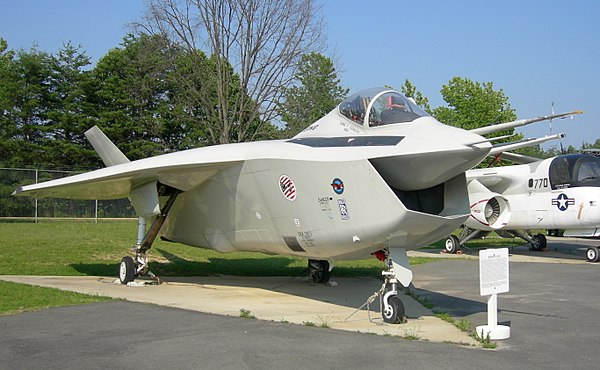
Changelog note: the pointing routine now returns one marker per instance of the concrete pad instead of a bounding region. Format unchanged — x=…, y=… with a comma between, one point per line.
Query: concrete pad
x=279, y=299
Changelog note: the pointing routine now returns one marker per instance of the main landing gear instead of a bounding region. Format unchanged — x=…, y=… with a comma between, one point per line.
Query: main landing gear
x=319, y=271
x=130, y=268
x=592, y=254
x=453, y=244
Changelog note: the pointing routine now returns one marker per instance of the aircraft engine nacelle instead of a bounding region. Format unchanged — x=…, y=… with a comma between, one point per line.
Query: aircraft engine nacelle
x=489, y=211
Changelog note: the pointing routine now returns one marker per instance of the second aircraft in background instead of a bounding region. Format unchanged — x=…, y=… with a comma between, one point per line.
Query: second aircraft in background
x=562, y=192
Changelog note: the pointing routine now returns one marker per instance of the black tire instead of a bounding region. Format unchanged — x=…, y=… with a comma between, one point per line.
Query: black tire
x=538, y=242
x=126, y=270
x=592, y=254
x=452, y=245
x=320, y=271
x=395, y=313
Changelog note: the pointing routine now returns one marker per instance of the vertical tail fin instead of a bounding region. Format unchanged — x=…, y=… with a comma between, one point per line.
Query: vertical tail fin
x=110, y=154
x=143, y=197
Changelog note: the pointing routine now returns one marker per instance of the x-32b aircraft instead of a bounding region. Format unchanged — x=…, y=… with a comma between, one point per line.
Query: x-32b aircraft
x=561, y=192
x=377, y=175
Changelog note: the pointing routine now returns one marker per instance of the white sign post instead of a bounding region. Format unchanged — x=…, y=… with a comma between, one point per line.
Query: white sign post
x=493, y=279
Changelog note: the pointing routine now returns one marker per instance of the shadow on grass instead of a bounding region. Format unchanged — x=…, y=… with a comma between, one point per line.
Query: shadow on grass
x=266, y=266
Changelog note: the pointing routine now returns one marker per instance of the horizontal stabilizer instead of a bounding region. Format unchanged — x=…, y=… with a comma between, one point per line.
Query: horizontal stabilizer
x=521, y=122
x=110, y=154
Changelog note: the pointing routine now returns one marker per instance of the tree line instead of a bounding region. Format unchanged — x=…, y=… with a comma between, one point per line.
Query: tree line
x=48, y=101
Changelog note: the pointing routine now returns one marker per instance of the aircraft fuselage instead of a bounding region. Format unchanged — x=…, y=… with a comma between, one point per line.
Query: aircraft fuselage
x=342, y=210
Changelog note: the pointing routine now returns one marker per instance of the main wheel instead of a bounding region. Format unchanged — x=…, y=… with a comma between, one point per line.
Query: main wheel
x=126, y=270
x=319, y=271
x=592, y=254
x=394, y=314
x=452, y=244
x=538, y=242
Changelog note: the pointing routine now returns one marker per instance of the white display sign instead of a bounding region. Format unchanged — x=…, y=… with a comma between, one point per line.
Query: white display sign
x=493, y=271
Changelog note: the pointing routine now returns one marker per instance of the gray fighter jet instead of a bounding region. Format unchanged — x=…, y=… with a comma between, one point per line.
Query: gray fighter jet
x=376, y=176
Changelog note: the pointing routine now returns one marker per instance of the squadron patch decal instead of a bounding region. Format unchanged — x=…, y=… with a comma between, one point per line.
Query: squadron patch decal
x=343, y=209
x=338, y=185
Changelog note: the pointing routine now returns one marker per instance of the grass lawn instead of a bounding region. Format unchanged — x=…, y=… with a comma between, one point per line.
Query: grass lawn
x=70, y=248
x=81, y=248
x=18, y=298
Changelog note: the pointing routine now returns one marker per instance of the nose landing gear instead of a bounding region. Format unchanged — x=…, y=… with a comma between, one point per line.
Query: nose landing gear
x=392, y=308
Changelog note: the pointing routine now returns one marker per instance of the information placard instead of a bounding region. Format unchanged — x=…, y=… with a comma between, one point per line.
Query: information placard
x=493, y=271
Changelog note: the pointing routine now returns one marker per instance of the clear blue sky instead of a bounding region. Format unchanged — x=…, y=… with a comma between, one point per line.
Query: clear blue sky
x=537, y=51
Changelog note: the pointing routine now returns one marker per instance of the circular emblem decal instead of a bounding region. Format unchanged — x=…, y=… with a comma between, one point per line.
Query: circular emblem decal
x=337, y=185
x=287, y=187
x=563, y=202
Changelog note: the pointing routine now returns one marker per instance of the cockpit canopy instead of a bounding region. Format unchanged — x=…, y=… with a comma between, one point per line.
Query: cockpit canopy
x=574, y=170
x=380, y=106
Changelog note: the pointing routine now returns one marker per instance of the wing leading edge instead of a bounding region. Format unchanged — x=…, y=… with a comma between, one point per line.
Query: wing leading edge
x=135, y=180
x=118, y=181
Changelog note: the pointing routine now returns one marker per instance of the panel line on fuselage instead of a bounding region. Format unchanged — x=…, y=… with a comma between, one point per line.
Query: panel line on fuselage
x=342, y=141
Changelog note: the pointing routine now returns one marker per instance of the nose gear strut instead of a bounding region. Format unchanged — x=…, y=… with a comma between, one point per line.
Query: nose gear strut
x=398, y=271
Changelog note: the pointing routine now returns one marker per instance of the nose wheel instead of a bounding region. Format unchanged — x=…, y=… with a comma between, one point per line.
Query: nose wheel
x=397, y=272
x=393, y=310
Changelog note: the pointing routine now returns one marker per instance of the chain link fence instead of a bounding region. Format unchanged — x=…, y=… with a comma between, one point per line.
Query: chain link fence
x=28, y=208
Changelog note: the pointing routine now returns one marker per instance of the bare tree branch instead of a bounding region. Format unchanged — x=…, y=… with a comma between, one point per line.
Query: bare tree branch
x=254, y=47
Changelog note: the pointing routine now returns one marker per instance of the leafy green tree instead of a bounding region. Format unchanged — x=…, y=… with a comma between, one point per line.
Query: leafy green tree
x=317, y=92
x=596, y=144
x=473, y=104
x=410, y=91
x=24, y=81
x=197, y=91
x=135, y=98
x=156, y=97
x=43, y=107
x=71, y=110
x=8, y=82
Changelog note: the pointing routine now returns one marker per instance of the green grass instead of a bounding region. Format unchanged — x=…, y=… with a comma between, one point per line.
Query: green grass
x=18, y=298
x=76, y=248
